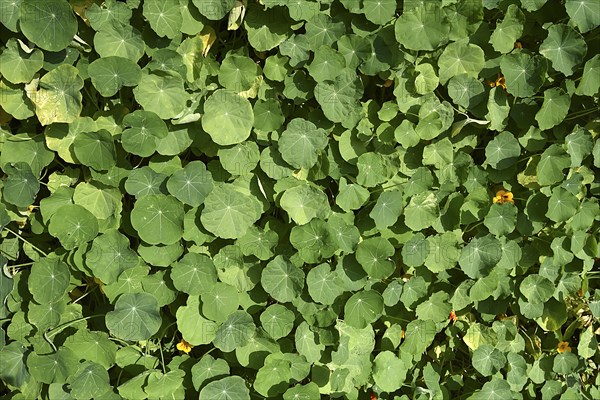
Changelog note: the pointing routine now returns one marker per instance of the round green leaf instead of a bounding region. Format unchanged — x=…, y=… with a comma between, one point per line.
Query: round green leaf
x=220, y=301
x=50, y=24
x=90, y=381
x=59, y=98
x=379, y=11
x=562, y=205
x=164, y=17
x=374, y=255
x=465, y=91
x=502, y=151
x=508, y=30
x=109, y=74
x=487, y=360
x=236, y=331
x=536, y=288
x=479, y=256
x=194, y=274
x=238, y=73
x=110, y=255
x=523, y=73
x=422, y=211
x=241, y=159
x=277, y=320
x=324, y=285
x=326, y=64
x=565, y=363
x=121, y=40
x=18, y=65
x=422, y=28
x=305, y=202
x=49, y=280
x=73, y=225
x=228, y=118
x=162, y=94
x=229, y=388
x=460, y=58
x=584, y=13
x=214, y=9
x=590, y=81
x=136, y=317
x=144, y=181
x=501, y=219
x=363, y=308
x=266, y=28
x=194, y=328
x=158, y=219
x=21, y=186
x=102, y=203
x=191, y=184
x=268, y=115
x=95, y=149
x=565, y=47
x=228, y=213
x=339, y=98
x=554, y=109
x=282, y=279
x=208, y=368
x=144, y=129
x=301, y=143
x=389, y=371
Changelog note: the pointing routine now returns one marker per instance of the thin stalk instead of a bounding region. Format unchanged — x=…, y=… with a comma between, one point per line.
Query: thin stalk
x=60, y=328
x=162, y=357
x=26, y=241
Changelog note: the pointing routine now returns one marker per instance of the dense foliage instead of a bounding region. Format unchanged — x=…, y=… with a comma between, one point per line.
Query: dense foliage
x=246, y=199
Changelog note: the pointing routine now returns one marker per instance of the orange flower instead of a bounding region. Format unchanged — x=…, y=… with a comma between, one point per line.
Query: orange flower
x=184, y=346
x=518, y=45
x=452, y=316
x=373, y=396
x=503, y=196
x=500, y=82
x=563, y=346
x=402, y=334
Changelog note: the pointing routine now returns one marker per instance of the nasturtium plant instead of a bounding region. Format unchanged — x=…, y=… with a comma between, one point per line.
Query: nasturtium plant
x=223, y=199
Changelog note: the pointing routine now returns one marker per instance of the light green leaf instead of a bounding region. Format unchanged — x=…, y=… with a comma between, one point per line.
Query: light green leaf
x=460, y=58
x=565, y=47
x=191, y=184
x=110, y=74
x=228, y=213
x=282, y=279
x=228, y=118
x=305, y=202
x=301, y=143
x=363, y=308
x=59, y=98
x=164, y=17
x=136, y=317
x=49, y=24
x=18, y=65
x=73, y=225
x=422, y=28
x=509, y=30
x=163, y=94
x=554, y=109
x=158, y=219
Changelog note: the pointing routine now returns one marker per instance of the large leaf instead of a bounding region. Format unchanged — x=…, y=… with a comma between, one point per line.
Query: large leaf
x=228, y=117
x=49, y=24
x=59, y=98
x=564, y=47
x=135, y=317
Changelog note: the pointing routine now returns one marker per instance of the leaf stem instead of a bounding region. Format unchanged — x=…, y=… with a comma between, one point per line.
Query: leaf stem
x=26, y=241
